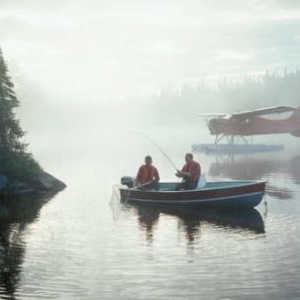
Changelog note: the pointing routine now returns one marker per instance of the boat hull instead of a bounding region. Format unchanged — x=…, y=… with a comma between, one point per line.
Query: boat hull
x=244, y=194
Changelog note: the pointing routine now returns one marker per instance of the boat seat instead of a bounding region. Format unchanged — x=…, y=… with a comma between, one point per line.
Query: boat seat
x=201, y=182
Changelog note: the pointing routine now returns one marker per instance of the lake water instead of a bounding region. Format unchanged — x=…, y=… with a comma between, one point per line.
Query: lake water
x=84, y=244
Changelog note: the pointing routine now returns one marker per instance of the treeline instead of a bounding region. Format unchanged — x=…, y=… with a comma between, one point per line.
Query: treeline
x=182, y=104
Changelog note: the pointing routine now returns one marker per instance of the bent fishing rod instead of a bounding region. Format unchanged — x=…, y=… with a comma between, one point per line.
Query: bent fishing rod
x=160, y=149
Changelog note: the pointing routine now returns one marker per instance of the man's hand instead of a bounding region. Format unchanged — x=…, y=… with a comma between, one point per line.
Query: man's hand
x=179, y=174
x=183, y=174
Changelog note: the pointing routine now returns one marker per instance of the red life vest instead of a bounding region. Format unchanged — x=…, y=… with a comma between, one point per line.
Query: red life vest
x=147, y=173
x=194, y=169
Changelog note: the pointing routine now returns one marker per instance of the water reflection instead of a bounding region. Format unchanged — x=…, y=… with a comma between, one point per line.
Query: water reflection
x=294, y=168
x=261, y=168
x=256, y=168
x=190, y=220
x=148, y=219
x=15, y=215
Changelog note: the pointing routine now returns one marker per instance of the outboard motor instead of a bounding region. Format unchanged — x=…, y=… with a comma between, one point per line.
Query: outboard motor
x=129, y=181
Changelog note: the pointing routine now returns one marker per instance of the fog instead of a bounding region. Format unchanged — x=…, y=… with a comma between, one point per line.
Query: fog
x=99, y=66
x=91, y=76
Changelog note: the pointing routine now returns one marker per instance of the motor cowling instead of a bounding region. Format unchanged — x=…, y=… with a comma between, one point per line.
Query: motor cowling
x=129, y=181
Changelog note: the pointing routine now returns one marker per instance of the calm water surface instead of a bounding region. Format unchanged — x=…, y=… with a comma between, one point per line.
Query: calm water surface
x=83, y=244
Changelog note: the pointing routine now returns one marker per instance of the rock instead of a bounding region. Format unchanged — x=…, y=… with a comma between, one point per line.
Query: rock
x=43, y=183
x=47, y=182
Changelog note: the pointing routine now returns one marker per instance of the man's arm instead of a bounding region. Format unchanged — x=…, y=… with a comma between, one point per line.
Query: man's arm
x=156, y=175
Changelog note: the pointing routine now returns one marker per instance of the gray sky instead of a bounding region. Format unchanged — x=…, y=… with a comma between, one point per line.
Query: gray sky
x=86, y=48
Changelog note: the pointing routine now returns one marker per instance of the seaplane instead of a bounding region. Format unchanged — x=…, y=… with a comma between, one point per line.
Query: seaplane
x=242, y=124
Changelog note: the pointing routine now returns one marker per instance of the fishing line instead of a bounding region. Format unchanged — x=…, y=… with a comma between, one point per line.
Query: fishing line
x=157, y=146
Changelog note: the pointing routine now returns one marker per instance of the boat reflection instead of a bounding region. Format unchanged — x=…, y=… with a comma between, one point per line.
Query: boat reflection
x=15, y=215
x=190, y=220
x=148, y=220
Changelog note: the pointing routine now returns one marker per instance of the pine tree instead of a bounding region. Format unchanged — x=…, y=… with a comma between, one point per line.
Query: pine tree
x=15, y=162
x=10, y=130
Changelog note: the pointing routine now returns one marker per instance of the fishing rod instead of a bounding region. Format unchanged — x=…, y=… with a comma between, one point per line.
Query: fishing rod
x=161, y=150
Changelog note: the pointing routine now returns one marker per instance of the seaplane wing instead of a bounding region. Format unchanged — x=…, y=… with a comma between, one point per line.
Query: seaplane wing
x=262, y=111
x=251, y=113
x=220, y=115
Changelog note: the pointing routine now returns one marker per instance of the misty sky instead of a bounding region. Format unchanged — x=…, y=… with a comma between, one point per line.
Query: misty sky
x=120, y=48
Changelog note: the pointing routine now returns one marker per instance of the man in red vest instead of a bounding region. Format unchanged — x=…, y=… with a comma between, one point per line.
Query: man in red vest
x=148, y=175
x=190, y=174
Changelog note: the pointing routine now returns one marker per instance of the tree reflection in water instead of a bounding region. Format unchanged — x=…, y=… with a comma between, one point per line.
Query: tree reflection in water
x=15, y=215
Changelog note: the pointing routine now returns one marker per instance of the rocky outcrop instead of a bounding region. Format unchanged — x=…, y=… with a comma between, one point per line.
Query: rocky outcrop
x=47, y=182
x=43, y=183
